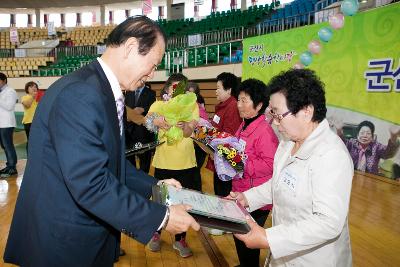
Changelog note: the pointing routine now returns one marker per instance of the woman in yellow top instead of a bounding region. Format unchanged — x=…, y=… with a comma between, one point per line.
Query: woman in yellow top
x=177, y=160
x=29, y=102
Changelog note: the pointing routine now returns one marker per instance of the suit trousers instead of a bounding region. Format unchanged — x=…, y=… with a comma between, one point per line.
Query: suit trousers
x=251, y=257
x=6, y=142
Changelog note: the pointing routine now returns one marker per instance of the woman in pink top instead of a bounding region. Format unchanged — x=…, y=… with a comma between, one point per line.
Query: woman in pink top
x=194, y=88
x=260, y=143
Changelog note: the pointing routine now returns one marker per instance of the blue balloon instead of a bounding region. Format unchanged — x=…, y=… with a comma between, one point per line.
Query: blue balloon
x=325, y=34
x=306, y=58
x=349, y=7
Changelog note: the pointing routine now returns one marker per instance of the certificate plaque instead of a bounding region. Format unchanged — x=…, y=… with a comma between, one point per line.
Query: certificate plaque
x=208, y=210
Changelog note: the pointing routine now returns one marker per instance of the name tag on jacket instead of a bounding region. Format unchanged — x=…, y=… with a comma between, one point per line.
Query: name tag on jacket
x=216, y=119
x=289, y=179
x=242, y=144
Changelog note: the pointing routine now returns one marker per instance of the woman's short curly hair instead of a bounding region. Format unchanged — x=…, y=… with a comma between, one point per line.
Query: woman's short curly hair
x=301, y=88
x=258, y=92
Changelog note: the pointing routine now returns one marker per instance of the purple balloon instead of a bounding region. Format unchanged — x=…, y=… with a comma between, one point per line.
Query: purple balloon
x=336, y=21
x=314, y=47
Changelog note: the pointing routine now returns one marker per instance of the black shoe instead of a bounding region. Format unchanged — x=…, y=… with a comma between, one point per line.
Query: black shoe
x=121, y=252
x=8, y=173
x=3, y=170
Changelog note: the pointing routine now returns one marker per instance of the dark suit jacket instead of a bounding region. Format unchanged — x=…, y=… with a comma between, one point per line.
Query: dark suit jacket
x=78, y=191
x=138, y=133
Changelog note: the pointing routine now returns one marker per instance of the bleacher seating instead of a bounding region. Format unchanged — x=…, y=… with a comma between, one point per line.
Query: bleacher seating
x=24, y=35
x=294, y=14
x=81, y=36
x=216, y=52
x=18, y=67
x=217, y=21
x=64, y=65
x=199, y=56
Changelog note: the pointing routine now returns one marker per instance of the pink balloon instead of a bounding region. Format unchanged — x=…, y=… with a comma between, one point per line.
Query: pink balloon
x=314, y=47
x=336, y=21
x=298, y=66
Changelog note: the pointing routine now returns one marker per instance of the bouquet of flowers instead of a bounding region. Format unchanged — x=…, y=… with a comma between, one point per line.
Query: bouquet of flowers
x=229, y=157
x=177, y=108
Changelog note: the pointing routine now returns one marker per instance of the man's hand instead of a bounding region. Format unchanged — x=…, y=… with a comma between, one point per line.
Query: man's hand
x=179, y=220
x=139, y=110
x=256, y=238
x=239, y=197
x=133, y=116
x=172, y=182
x=394, y=132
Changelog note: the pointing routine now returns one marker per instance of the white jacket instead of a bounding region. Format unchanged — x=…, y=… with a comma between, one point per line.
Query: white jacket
x=8, y=99
x=310, y=192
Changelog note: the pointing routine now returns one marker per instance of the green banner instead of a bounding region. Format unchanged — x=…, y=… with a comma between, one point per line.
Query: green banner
x=360, y=65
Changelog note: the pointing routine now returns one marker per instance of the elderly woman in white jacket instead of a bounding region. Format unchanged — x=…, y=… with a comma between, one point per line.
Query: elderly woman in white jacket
x=8, y=99
x=311, y=184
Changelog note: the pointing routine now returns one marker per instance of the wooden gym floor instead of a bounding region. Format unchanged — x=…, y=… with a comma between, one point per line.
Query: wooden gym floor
x=374, y=228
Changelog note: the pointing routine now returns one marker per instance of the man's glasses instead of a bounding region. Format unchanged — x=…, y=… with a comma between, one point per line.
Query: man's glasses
x=278, y=117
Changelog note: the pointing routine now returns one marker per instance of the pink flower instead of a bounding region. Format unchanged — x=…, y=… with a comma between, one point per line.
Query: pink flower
x=166, y=97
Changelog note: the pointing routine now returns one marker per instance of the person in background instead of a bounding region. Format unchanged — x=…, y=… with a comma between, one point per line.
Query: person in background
x=194, y=88
x=260, y=143
x=29, y=103
x=365, y=150
x=139, y=101
x=177, y=160
x=226, y=119
x=311, y=184
x=79, y=192
x=69, y=43
x=200, y=153
x=8, y=99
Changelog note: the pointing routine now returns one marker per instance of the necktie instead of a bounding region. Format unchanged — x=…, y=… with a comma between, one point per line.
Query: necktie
x=362, y=161
x=120, y=111
x=137, y=95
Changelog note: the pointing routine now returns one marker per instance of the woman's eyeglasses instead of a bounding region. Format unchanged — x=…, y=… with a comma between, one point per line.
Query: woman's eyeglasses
x=278, y=117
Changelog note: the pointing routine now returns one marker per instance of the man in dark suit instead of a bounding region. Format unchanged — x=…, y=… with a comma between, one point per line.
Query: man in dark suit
x=139, y=101
x=79, y=192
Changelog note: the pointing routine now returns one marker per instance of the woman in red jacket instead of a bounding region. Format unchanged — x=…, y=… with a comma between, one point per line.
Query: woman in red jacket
x=226, y=119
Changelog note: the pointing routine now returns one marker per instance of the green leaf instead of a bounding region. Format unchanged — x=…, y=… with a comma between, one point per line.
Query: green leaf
x=180, y=88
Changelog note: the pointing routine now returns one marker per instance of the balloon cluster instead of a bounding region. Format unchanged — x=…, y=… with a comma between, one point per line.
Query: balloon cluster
x=336, y=22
